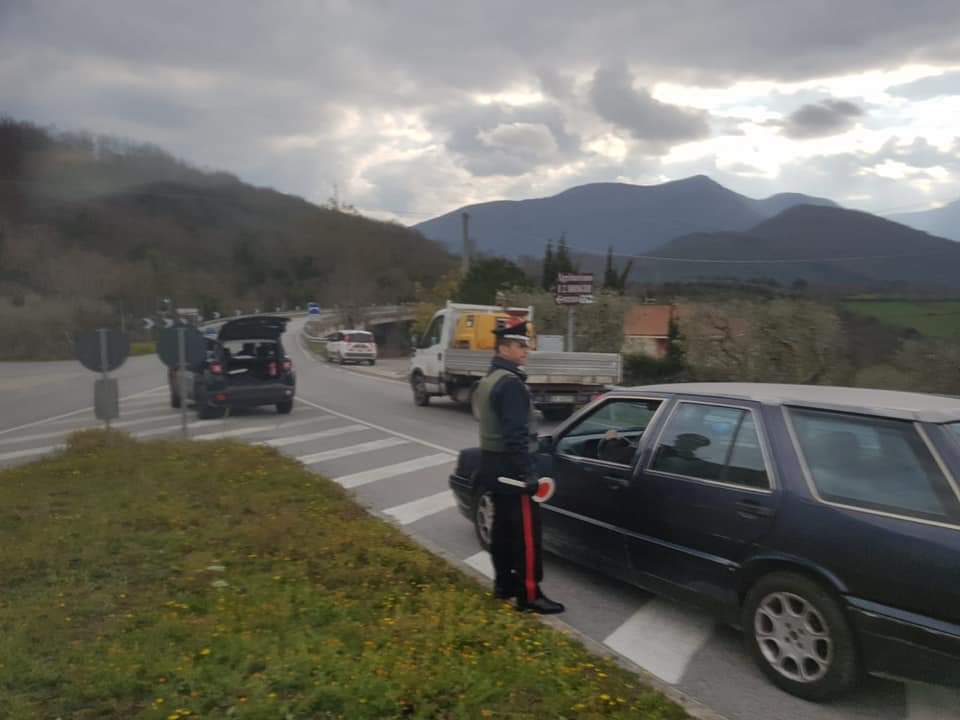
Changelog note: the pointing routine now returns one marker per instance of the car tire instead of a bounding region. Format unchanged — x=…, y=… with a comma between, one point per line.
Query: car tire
x=483, y=518
x=342, y=360
x=285, y=407
x=209, y=412
x=798, y=634
x=371, y=363
x=420, y=395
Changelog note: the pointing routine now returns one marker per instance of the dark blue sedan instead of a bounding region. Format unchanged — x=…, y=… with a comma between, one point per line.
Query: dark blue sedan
x=824, y=522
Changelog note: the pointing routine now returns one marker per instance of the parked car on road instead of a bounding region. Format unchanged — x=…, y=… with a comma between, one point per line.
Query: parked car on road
x=357, y=346
x=824, y=522
x=245, y=366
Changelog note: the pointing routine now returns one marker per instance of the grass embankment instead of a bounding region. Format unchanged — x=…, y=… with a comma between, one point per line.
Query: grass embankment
x=172, y=580
x=937, y=319
x=143, y=348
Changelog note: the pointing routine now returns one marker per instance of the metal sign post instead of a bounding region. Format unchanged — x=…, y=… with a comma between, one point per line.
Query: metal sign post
x=573, y=289
x=182, y=364
x=104, y=365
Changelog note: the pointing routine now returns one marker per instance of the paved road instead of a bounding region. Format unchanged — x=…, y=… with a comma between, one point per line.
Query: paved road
x=363, y=431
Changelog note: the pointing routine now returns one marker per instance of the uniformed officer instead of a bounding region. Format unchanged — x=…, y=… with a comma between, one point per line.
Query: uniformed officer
x=506, y=418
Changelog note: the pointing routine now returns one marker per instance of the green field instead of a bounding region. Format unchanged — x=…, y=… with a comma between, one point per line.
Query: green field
x=934, y=318
x=173, y=580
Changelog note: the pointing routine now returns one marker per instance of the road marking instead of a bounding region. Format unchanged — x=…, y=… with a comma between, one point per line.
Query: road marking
x=389, y=471
x=73, y=412
x=381, y=428
x=418, y=509
x=31, y=451
x=314, y=458
x=124, y=412
x=332, y=432
x=662, y=638
x=233, y=433
x=482, y=562
x=931, y=702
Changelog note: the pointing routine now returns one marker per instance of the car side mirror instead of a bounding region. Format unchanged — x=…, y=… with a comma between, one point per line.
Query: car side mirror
x=545, y=443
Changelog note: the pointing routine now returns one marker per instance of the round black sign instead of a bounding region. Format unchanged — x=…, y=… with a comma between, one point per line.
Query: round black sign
x=195, y=347
x=102, y=350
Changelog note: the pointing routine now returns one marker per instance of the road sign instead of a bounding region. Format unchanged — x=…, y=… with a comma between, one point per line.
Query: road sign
x=168, y=322
x=216, y=315
x=148, y=323
x=574, y=288
x=195, y=347
x=106, y=399
x=102, y=350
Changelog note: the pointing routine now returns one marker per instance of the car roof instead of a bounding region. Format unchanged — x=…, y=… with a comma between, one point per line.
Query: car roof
x=865, y=401
x=260, y=327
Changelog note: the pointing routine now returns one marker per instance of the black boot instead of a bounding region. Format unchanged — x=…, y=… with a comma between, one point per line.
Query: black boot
x=542, y=605
x=504, y=592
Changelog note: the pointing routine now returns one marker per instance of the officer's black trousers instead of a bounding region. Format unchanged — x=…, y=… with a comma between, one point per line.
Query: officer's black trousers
x=515, y=545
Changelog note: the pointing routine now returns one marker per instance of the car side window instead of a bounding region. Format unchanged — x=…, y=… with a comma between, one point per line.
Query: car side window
x=873, y=463
x=712, y=442
x=610, y=433
x=432, y=336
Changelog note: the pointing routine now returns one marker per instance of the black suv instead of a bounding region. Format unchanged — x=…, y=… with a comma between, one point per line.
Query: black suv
x=245, y=366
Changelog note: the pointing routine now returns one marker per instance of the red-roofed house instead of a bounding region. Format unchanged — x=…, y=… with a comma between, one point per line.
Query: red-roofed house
x=646, y=330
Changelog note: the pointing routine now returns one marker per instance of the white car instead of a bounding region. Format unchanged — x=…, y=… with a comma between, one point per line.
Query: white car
x=346, y=346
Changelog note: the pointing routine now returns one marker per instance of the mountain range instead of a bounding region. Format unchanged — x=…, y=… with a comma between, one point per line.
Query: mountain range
x=943, y=221
x=634, y=218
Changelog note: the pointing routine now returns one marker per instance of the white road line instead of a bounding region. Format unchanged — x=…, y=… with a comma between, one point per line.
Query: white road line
x=350, y=450
x=482, y=562
x=239, y=432
x=931, y=702
x=332, y=432
x=31, y=451
x=73, y=412
x=124, y=413
x=418, y=509
x=389, y=471
x=381, y=428
x=662, y=638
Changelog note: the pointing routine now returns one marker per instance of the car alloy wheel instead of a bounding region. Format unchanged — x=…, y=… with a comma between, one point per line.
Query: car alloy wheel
x=483, y=519
x=798, y=634
x=793, y=637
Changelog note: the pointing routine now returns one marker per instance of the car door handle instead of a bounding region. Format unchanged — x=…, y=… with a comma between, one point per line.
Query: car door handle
x=749, y=510
x=615, y=483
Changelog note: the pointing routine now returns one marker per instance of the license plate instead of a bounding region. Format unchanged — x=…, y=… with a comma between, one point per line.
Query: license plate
x=561, y=399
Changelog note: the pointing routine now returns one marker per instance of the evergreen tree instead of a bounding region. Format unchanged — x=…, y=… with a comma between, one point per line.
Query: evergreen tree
x=562, y=261
x=610, y=278
x=549, y=267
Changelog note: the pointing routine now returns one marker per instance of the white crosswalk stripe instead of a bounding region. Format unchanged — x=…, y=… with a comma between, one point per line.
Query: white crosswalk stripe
x=13, y=455
x=66, y=431
x=662, y=638
x=332, y=432
x=418, y=509
x=314, y=458
x=482, y=562
x=390, y=471
x=240, y=432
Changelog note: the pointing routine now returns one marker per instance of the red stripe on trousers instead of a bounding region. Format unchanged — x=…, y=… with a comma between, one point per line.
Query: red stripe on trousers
x=528, y=550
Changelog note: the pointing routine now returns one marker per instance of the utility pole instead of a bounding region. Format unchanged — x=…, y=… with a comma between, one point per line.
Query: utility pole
x=465, y=262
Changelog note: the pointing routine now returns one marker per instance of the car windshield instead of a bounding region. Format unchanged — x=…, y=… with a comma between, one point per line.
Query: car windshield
x=359, y=337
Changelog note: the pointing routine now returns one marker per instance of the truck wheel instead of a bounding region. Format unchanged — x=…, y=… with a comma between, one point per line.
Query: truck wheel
x=798, y=634
x=483, y=518
x=420, y=395
x=474, y=403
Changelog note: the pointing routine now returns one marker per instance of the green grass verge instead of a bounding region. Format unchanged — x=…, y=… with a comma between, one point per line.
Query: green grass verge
x=143, y=348
x=933, y=319
x=173, y=580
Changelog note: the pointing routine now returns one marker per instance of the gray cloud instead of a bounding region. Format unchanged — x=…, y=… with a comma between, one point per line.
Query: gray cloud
x=828, y=117
x=929, y=87
x=655, y=123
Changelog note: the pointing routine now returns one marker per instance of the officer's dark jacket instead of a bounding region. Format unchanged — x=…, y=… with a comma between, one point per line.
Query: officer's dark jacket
x=510, y=400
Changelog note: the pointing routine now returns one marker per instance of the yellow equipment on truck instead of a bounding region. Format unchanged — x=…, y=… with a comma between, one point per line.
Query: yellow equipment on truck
x=474, y=330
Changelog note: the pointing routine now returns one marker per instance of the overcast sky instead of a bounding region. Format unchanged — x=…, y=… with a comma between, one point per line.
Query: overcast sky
x=415, y=108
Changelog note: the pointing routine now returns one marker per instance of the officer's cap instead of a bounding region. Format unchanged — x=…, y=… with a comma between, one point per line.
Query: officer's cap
x=514, y=330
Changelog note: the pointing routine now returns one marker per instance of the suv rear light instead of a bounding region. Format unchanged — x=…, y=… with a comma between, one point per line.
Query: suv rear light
x=272, y=369
x=288, y=365
x=216, y=368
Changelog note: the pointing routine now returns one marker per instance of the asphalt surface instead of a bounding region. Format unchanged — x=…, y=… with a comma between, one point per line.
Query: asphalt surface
x=361, y=428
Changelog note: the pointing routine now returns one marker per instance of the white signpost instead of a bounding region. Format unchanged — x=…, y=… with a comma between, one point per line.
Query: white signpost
x=573, y=289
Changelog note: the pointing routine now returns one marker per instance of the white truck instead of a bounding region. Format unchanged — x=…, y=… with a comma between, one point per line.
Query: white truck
x=448, y=362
